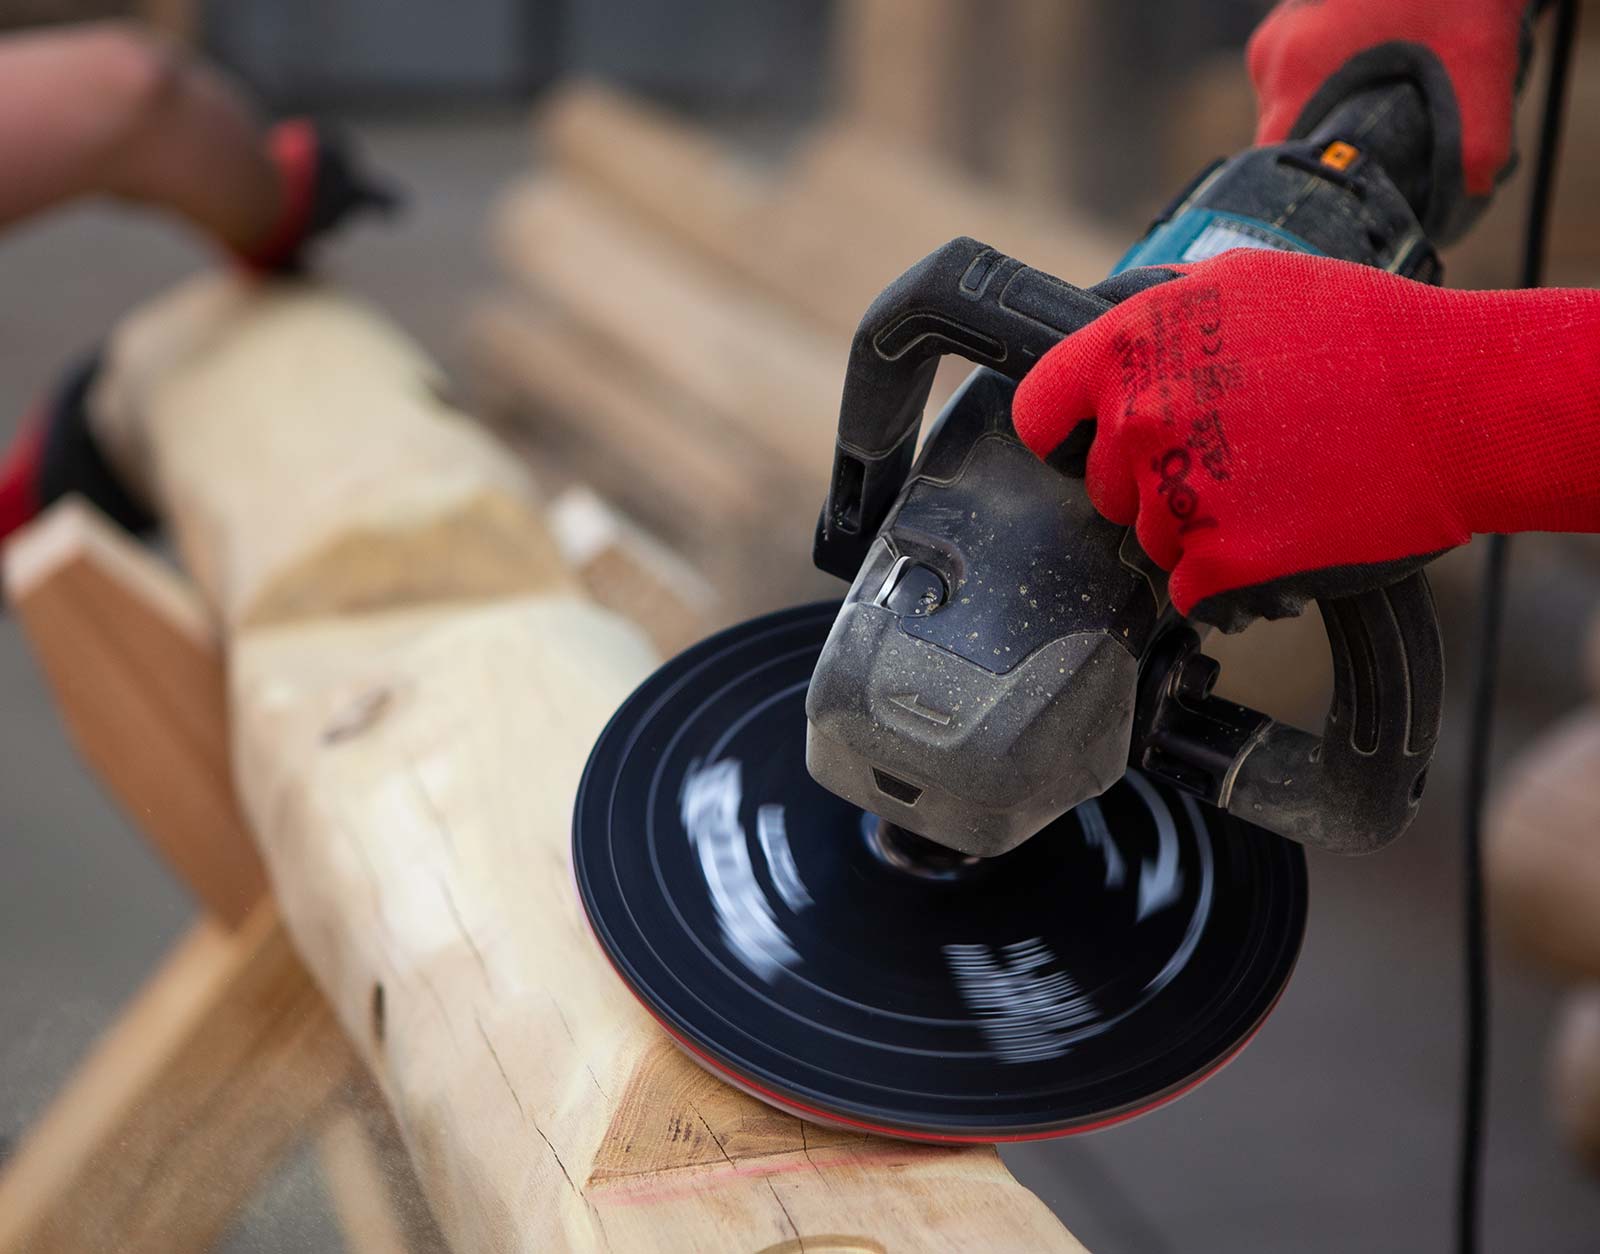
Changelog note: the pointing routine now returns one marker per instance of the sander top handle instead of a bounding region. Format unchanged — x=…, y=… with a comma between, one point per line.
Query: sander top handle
x=1352, y=788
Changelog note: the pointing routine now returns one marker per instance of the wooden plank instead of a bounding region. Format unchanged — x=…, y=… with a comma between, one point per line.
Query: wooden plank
x=899, y=204
x=134, y=662
x=224, y=1058
x=692, y=477
x=681, y=180
x=827, y=236
x=376, y=1198
x=410, y=773
x=901, y=68
x=626, y=570
x=744, y=358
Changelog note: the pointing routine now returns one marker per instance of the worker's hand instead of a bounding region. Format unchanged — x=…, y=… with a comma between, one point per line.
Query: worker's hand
x=1278, y=426
x=1466, y=55
x=323, y=183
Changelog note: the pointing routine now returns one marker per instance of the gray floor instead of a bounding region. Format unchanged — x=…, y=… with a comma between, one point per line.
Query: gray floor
x=1333, y=1132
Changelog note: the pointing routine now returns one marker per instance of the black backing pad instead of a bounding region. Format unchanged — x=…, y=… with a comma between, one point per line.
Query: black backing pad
x=865, y=977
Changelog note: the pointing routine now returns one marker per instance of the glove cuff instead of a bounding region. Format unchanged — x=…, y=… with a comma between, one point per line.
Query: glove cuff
x=295, y=150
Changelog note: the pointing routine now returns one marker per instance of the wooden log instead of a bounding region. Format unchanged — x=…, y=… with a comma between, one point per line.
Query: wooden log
x=410, y=774
x=223, y=1060
x=1543, y=859
x=134, y=661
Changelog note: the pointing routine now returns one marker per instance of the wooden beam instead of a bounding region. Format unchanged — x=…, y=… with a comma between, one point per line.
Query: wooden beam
x=410, y=772
x=133, y=659
x=222, y=1061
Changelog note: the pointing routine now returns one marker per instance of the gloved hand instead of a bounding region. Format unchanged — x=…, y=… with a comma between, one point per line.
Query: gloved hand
x=55, y=453
x=323, y=184
x=1466, y=55
x=1278, y=426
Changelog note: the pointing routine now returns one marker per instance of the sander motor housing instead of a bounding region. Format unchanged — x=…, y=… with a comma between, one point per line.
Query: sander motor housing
x=1004, y=652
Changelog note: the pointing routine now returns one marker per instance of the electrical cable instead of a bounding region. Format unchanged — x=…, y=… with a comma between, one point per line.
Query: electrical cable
x=1480, y=733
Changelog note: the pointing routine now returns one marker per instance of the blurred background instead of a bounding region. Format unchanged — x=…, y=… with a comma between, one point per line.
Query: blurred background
x=639, y=237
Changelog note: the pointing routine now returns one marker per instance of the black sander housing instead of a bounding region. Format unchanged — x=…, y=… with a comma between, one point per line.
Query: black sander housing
x=1005, y=653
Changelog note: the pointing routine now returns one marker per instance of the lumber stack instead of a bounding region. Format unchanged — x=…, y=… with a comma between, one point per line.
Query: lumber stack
x=674, y=318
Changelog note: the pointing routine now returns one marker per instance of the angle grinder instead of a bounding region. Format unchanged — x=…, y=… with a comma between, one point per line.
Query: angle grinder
x=978, y=855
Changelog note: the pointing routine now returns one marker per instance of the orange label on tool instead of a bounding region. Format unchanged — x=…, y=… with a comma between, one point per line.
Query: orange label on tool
x=1339, y=154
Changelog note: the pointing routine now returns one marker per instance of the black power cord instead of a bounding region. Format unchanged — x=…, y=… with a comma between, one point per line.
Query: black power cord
x=1470, y=1166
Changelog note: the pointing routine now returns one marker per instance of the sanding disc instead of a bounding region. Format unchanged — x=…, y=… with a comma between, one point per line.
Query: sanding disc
x=855, y=974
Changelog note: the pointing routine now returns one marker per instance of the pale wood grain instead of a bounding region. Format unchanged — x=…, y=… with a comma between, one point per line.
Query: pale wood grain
x=409, y=769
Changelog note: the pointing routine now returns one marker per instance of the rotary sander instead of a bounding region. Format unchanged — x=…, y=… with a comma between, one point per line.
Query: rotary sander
x=978, y=854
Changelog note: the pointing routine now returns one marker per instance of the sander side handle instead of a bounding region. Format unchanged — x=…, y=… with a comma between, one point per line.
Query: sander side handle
x=965, y=299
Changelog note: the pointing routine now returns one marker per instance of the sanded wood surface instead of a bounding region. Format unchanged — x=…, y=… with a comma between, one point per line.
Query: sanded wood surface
x=408, y=761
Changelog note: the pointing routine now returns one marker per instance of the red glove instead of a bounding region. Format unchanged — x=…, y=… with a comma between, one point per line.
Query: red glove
x=323, y=183
x=1465, y=55
x=54, y=453
x=1279, y=426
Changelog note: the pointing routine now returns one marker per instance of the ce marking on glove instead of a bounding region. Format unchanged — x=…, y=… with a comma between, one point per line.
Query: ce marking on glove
x=1182, y=500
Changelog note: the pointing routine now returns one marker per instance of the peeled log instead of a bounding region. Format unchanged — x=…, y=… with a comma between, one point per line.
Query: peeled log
x=415, y=682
